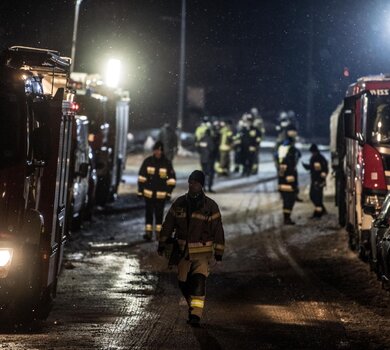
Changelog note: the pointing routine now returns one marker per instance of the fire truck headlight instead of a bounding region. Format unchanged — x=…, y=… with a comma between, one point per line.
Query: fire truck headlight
x=5, y=256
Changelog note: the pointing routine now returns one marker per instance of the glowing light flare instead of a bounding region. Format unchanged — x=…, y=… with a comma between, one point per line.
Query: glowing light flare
x=5, y=256
x=113, y=71
x=280, y=314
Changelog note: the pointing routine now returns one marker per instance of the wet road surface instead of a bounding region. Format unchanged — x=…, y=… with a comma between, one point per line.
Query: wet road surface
x=278, y=287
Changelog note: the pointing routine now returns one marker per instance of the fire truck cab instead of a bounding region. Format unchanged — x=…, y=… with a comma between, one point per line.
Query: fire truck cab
x=367, y=156
x=37, y=124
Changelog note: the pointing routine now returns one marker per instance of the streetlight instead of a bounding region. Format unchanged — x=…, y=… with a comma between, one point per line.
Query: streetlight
x=76, y=20
x=182, y=70
x=113, y=71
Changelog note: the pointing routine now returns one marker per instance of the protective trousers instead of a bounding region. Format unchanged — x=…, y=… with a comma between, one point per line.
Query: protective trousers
x=316, y=196
x=248, y=161
x=192, y=276
x=208, y=169
x=154, y=212
x=288, y=202
x=224, y=162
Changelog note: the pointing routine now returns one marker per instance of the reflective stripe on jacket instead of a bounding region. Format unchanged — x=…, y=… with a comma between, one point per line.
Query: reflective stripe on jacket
x=201, y=233
x=156, y=178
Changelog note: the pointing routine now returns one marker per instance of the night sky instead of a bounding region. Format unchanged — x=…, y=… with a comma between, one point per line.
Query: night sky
x=243, y=53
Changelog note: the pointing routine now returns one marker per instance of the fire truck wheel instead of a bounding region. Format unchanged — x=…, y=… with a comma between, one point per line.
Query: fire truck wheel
x=351, y=241
x=362, y=254
x=46, y=302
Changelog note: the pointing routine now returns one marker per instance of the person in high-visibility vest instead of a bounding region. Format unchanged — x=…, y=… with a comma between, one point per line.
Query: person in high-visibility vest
x=225, y=146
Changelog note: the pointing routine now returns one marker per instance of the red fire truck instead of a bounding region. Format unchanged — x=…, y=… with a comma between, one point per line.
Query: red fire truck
x=37, y=124
x=367, y=155
x=108, y=114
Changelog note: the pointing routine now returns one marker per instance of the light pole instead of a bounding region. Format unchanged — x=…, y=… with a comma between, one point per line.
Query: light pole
x=74, y=38
x=182, y=71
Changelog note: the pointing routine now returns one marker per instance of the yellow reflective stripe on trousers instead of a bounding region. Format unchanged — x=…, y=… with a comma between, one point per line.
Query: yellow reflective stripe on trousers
x=204, y=249
x=197, y=303
x=219, y=246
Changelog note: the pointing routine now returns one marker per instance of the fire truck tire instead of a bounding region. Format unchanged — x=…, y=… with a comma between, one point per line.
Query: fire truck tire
x=365, y=246
x=103, y=190
x=75, y=221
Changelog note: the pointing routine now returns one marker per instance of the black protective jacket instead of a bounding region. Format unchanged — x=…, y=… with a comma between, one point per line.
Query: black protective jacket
x=318, y=169
x=288, y=157
x=156, y=178
x=198, y=229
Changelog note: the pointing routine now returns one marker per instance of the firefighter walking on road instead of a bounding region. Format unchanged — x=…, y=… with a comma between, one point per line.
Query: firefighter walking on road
x=196, y=222
x=288, y=157
x=156, y=181
x=318, y=167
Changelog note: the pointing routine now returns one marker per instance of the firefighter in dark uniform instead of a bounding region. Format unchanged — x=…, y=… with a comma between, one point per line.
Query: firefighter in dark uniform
x=250, y=143
x=169, y=140
x=196, y=222
x=318, y=167
x=156, y=180
x=288, y=157
x=207, y=152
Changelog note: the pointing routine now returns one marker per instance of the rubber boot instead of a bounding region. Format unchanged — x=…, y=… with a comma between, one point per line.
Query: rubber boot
x=287, y=219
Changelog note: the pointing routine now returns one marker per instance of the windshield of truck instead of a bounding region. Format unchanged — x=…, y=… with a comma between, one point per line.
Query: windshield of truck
x=94, y=109
x=378, y=120
x=11, y=135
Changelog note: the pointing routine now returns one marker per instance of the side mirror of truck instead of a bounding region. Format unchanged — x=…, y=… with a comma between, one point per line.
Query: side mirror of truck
x=83, y=170
x=349, y=124
x=360, y=138
x=41, y=145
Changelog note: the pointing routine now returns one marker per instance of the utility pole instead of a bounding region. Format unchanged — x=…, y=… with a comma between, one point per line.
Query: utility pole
x=182, y=71
x=74, y=38
x=310, y=82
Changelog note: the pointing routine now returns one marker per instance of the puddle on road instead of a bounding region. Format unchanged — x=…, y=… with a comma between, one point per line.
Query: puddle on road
x=131, y=290
x=75, y=256
x=108, y=245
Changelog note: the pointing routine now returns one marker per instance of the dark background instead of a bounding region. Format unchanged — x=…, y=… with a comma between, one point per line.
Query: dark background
x=243, y=53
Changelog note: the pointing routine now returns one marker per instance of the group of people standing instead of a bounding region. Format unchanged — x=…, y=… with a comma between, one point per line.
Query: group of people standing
x=286, y=160
x=215, y=141
x=193, y=224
